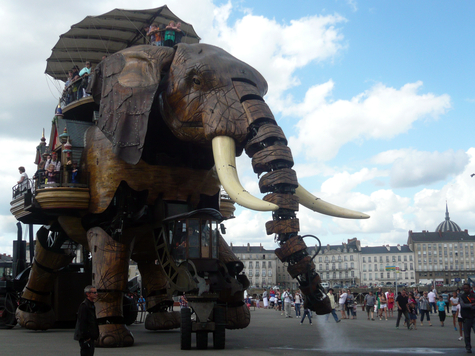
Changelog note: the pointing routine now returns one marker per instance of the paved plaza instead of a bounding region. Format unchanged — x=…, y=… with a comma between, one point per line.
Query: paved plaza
x=269, y=334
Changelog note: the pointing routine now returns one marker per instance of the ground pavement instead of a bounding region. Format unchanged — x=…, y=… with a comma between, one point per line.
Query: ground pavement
x=269, y=334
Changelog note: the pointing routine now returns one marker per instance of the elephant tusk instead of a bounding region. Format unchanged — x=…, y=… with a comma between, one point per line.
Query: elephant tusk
x=320, y=206
x=224, y=152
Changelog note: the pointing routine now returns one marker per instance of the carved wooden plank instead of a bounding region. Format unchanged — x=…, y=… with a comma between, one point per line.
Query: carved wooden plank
x=282, y=226
x=244, y=89
x=291, y=246
x=270, y=157
x=266, y=132
x=284, y=201
x=257, y=110
x=301, y=267
x=278, y=177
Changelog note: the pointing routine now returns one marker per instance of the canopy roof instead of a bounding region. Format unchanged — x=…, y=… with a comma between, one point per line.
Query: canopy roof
x=103, y=35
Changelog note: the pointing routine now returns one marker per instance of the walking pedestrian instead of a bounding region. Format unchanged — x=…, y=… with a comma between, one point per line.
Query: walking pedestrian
x=369, y=303
x=441, y=306
x=87, y=329
x=454, y=301
x=401, y=302
x=265, y=299
x=390, y=297
x=287, y=299
x=298, y=301
x=424, y=308
x=432, y=301
x=306, y=313
x=342, y=302
x=333, y=306
x=467, y=307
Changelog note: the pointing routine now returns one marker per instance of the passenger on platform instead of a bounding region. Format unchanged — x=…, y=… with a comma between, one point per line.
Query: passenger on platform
x=74, y=173
x=178, y=33
x=53, y=159
x=75, y=83
x=169, y=38
x=156, y=34
x=67, y=92
x=39, y=175
x=84, y=74
x=50, y=176
x=23, y=182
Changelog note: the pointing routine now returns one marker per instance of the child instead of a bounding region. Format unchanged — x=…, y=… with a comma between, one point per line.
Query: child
x=441, y=308
x=412, y=313
x=354, y=310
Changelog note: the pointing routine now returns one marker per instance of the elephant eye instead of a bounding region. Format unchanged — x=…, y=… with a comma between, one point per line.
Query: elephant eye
x=196, y=81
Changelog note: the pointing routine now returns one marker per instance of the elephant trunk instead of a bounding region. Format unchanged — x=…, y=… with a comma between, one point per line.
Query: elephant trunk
x=267, y=147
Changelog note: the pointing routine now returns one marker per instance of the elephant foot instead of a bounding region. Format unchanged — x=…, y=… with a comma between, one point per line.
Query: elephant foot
x=162, y=321
x=237, y=317
x=114, y=335
x=35, y=321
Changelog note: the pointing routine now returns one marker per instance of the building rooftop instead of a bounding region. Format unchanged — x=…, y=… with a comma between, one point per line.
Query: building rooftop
x=426, y=236
x=385, y=249
x=447, y=224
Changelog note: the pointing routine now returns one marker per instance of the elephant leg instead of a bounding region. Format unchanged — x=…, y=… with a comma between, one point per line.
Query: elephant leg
x=35, y=311
x=157, y=299
x=110, y=262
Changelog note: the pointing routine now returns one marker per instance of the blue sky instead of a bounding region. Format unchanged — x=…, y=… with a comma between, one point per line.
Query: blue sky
x=376, y=98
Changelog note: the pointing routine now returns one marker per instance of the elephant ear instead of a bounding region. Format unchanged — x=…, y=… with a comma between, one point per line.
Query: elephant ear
x=125, y=85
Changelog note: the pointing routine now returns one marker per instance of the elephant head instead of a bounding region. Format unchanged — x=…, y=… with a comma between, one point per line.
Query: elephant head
x=202, y=95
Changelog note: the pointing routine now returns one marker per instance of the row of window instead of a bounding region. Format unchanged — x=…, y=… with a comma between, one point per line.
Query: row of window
x=269, y=264
x=443, y=268
x=450, y=246
x=335, y=275
x=335, y=259
x=256, y=273
x=393, y=258
x=383, y=268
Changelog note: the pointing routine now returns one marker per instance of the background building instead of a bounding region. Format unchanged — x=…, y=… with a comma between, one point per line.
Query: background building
x=260, y=265
x=446, y=255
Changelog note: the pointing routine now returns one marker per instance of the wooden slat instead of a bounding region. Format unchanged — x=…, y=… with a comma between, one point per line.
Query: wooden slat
x=269, y=157
x=279, y=177
x=282, y=226
x=284, y=201
x=266, y=132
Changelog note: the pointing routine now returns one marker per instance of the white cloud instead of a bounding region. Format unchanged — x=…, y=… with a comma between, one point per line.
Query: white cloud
x=249, y=227
x=379, y=113
x=416, y=168
x=344, y=181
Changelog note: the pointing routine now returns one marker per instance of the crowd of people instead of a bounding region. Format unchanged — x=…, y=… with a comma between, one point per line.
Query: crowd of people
x=413, y=305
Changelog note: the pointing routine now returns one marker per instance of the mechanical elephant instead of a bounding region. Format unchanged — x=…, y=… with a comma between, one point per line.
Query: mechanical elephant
x=171, y=122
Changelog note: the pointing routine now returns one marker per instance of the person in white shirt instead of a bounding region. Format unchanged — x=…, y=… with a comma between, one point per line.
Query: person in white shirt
x=342, y=302
x=287, y=303
x=454, y=301
x=432, y=301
